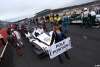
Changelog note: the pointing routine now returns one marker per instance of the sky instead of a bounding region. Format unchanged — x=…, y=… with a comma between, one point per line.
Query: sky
x=13, y=10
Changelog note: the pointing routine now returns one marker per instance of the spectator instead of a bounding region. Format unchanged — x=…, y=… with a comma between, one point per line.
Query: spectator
x=16, y=34
x=65, y=23
x=59, y=20
x=23, y=30
x=51, y=20
x=12, y=41
x=48, y=18
x=36, y=20
x=44, y=26
x=98, y=10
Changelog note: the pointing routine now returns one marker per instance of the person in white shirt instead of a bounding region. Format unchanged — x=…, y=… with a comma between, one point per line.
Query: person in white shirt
x=93, y=17
x=85, y=18
x=18, y=38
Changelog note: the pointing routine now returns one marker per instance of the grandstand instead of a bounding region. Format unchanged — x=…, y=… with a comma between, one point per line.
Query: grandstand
x=88, y=5
x=43, y=12
x=67, y=9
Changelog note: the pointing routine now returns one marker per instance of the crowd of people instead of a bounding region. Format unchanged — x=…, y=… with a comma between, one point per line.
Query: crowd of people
x=88, y=18
x=16, y=32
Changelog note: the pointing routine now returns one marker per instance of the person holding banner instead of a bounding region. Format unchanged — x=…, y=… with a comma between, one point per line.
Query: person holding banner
x=58, y=36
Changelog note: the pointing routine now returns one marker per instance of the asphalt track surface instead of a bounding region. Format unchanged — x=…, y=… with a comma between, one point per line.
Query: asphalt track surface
x=85, y=51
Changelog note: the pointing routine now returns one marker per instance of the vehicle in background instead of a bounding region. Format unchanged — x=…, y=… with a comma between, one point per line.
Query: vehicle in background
x=75, y=17
x=97, y=20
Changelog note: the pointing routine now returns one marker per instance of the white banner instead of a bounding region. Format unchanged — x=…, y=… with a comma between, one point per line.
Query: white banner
x=59, y=48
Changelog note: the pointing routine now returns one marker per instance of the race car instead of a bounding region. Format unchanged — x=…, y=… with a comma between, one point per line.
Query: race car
x=75, y=18
x=97, y=20
x=39, y=40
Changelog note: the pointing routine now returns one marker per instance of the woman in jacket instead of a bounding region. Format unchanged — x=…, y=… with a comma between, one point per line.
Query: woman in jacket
x=58, y=36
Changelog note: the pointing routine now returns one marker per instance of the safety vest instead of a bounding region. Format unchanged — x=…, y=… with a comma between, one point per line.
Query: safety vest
x=51, y=19
x=58, y=19
x=55, y=19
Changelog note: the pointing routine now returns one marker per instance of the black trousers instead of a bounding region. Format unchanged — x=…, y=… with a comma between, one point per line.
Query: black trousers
x=65, y=55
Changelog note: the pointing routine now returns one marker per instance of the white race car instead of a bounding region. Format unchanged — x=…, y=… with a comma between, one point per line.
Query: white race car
x=98, y=18
x=97, y=21
x=39, y=40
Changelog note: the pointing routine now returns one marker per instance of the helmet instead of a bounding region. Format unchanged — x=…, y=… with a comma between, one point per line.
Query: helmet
x=85, y=8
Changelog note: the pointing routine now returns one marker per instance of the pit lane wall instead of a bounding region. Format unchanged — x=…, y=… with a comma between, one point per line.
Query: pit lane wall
x=2, y=46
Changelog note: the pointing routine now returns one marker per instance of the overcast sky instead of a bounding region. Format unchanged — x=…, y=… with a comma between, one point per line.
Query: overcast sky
x=12, y=10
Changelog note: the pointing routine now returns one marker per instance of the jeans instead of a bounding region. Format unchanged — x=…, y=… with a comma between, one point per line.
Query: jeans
x=65, y=26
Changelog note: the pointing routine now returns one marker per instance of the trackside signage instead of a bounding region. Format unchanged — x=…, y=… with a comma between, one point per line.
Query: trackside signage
x=59, y=48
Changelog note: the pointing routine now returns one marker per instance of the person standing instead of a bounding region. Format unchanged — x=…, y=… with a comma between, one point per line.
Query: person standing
x=93, y=17
x=23, y=30
x=36, y=21
x=18, y=38
x=11, y=40
x=85, y=18
x=48, y=18
x=51, y=20
x=58, y=36
x=98, y=10
x=65, y=23
x=44, y=26
x=59, y=20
